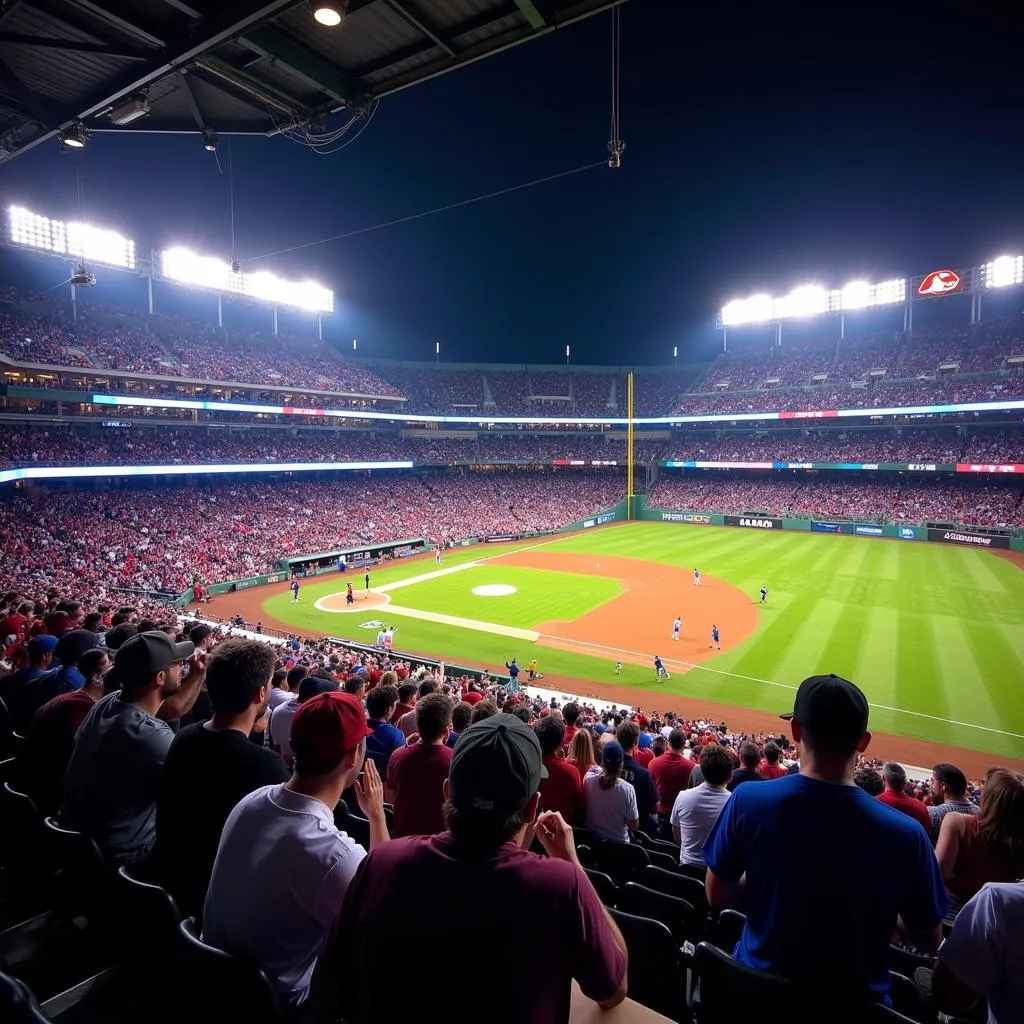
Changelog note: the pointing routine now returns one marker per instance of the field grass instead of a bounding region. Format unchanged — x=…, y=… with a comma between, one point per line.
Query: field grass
x=934, y=634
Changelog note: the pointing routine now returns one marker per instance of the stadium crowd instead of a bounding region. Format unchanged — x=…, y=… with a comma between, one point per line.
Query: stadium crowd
x=168, y=539
x=194, y=758
x=969, y=503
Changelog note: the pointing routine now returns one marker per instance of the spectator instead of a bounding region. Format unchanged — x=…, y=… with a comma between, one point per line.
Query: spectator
x=210, y=766
x=462, y=714
x=407, y=723
x=484, y=709
x=42, y=765
x=406, y=692
x=570, y=715
x=747, y=771
x=870, y=781
x=581, y=753
x=983, y=957
x=562, y=790
x=309, y=686
x=40, y=655
x=769, y=766
x=114, y=773
x=280, y=919
x=492, y=799
x=695, y=811
x=611, y=802
x=844, y=834
x=628, y=734
x=671, y=771
x=986, y=847
x=895, y=796
x=417, y=773
x=949, y=793
x=280, y=690
x=64, y=678
x=384, y=738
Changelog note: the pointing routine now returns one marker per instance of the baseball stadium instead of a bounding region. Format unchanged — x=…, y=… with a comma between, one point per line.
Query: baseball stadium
x=203, y=478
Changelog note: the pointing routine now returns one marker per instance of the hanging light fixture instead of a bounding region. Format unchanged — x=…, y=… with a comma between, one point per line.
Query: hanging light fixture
x=75, y=136
x=327, y=13
x=210, y=140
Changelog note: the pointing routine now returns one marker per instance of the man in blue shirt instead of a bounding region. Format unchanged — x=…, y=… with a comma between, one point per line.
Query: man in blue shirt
x=822, y=910
x=385, y=738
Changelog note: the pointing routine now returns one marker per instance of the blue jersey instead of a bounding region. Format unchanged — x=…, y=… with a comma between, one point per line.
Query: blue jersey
x=714, y=635
x=295, y=586
x=658, y=664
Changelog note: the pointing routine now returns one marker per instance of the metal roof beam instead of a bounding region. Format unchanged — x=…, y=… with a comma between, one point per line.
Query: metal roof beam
x=532, y=13
x=78, y=22
x=105, y=15
x=75, y=46
x=256, y=87
x=307, y=65
x=408, y=13
x=37, y=106
x=190, y=99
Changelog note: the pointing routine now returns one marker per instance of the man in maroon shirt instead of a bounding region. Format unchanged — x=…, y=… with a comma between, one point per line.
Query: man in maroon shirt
x=671, y=771
x=43, y=762
x=417, y=773
x=494, y=895
x=570, y=715
x=562, y=790
x=406, y=692
x=895, y=795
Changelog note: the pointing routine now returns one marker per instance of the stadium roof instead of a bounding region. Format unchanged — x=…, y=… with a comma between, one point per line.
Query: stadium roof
x=237, y=66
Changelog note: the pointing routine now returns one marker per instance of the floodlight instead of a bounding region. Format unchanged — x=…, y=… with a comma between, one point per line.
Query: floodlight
x=1003, y=272
x=210, y=140
x=757, y=309
x=330, y=15
x=856, y=295
x=74, y=136
x=96, y=245
x=807, y=300
x=887, y=293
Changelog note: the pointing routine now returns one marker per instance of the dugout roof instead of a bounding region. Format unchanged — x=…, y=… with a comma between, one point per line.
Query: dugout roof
x=238, y=66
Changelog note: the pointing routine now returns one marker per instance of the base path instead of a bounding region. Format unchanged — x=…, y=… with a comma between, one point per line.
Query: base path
x=637, y=625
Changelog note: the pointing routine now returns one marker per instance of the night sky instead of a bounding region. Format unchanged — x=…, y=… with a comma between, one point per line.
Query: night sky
x=763, y=151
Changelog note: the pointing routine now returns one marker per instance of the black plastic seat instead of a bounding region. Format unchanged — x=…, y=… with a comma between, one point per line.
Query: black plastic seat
x=663, y=846
x=604, y=885
x=676, y=914
x=7, y=769
x=147, y=919
x=620, y=860
x=655, y=974
x=726, y=985
x=661, y=859
x=675, y=884
x=902, y=961
x=20, y=830
x=6, y=731
x=876, y=1013
x=692, y=871
x=729, y=929
x=233, y=988
x=18, y=1004
x=80, y=870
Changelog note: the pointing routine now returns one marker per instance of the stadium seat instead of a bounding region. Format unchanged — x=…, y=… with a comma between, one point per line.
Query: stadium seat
x=18, y=1005
x=80, y=870
x=904, y=962
x=6, y=731
x=876, y=1013
x=674, y=884
x=908, y=1000
x=6, y=768
x=605, y=886
x=667, y=861
x=148, y=919
x=655, y=975
x=233, y=989
x=700, y=873
x=676, y=914
x=724, y=985
x=620, y=860
x=663, y=846
x=583, y=836
x=728, y=929
x=19, y=829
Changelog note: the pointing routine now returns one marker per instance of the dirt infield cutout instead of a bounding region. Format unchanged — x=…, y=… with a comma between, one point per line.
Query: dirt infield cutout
x=365, y=600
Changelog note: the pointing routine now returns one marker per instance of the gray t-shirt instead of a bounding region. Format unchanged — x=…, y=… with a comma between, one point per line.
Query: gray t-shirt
x=114, y=776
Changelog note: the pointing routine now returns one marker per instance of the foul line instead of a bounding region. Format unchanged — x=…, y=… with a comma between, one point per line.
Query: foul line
x=784, y=686
x=424, y=577
x=530, y=635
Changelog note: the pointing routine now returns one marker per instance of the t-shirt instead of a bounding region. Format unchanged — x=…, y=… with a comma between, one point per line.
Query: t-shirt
x=407, y=724
x=646, y=792
x=562, y=790
x=939, y=811
x=986, y=949
x=278, y=881
x=741, y=775
x=114, y=776
x=906, y=805
x=400, y=710
x=608, y=810
x=417, y=775
x=384, y=741
x=844, y=835
x=492, y=903
x=771, y=771
x=671, y=773
x=281, y=727
x=43, y=762
x=472, y=696
x=694, y=813
x=205, y=774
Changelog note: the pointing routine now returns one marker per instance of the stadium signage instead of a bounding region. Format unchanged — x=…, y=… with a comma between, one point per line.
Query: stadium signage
x=704, y=520
x=981, y=540
x=988, y=467
x=867, y=530
x=908, y=533
x=685, y=517
x=826, y=527
x=753, y=523
x=921, y=467
x=939, y=282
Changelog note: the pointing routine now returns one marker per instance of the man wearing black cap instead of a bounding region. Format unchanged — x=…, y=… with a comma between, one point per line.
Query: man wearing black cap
x=823, y=913
x=114, y=773
x=491, y=894
x=64, y=678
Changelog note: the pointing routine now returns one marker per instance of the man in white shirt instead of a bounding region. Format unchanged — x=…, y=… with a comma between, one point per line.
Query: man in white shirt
x=696, y=810
x=283, y=715
x=282, y=867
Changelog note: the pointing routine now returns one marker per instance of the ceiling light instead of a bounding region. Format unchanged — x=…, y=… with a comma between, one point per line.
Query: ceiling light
x=210, y=140
x=328, y=14
x=130, y=110
x=75, y=136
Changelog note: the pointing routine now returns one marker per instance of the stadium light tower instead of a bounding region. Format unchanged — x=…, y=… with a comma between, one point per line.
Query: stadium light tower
x=437, y=351
x=355, y=345
x=567, y=356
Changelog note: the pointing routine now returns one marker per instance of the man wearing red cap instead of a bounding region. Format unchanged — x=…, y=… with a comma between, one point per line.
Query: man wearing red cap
x=279, y=918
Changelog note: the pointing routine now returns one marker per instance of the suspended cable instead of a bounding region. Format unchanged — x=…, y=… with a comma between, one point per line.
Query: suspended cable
x=231, y=203
x=615, y=144
x=430, y=213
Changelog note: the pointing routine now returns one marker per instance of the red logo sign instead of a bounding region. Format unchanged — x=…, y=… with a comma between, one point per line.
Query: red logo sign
x=940, y=282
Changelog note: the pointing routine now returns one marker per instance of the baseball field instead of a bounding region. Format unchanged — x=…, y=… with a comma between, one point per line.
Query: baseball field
x=933, y=634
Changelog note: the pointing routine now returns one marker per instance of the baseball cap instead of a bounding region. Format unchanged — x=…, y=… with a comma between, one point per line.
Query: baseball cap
x=612, y=754
x=140, y=657
x=496, y=766
x=312, y=686
x=42, y=644
x=73, y=644
x=326, y=727
x=830, y=707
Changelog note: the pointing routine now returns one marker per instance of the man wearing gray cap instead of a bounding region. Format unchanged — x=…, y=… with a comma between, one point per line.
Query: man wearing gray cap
x=475, y=888
x=114, y=773
x=805, y=855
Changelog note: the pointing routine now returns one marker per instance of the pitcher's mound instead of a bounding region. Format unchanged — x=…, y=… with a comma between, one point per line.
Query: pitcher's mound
x=364, y=601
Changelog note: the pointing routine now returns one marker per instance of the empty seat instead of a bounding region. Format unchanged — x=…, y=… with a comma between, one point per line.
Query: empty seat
x=729, y=929
x=604, y=885
x=655, y=974
x=676, y=914
x=726, y=984
x=620, y=860
x=148, y=919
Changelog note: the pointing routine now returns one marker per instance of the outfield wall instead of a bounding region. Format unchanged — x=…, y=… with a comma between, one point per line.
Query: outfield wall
x=965, y=537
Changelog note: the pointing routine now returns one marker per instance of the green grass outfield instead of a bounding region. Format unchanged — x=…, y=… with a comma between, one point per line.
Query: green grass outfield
x=934, y=634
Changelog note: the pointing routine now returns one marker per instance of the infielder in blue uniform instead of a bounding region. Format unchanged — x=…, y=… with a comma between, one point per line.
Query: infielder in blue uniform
x=660, y=669
x=715, y=640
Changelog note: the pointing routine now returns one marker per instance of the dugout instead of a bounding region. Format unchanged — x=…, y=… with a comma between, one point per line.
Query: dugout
x=355, y=557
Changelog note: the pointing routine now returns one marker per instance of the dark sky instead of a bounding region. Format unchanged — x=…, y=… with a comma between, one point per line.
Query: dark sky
x=762, y=151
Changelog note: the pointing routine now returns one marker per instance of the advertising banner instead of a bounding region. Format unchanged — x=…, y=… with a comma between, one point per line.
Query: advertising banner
x=868, y=530
x=908, y=533
x=989, y=467
x=685, y=517
x=979, y=540
x=753, y=522
x=826, y=527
